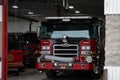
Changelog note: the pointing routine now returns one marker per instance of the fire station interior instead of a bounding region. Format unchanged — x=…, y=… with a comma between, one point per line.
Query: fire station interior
x=24, y=18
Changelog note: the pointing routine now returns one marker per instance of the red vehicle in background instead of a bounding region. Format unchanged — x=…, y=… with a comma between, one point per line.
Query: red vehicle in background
x=15, y=55
x=32, y=46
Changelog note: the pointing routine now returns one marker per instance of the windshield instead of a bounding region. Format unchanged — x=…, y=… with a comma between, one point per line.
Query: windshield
x=31, y=38
x=15, y=45
x=14, y=37
x=73, y=34
x=71, y=30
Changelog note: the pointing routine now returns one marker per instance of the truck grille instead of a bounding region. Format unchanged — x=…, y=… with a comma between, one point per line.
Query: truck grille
x=62, y=50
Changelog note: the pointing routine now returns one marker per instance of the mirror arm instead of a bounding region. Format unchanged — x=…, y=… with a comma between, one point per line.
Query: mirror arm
x=38, y=32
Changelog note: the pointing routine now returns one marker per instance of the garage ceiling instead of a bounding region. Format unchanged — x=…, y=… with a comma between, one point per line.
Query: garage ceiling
x=42, y=8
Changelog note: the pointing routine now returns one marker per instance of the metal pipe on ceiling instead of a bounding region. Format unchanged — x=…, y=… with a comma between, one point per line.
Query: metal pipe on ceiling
x=30, y=26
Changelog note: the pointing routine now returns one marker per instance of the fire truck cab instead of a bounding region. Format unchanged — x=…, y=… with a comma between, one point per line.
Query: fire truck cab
x=71, y=43
x=31, y=43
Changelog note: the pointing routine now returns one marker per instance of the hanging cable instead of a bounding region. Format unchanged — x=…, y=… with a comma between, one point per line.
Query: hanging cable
x=15, y=19
x=66, y=4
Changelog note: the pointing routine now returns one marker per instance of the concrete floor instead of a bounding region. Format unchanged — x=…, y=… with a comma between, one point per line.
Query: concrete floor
x=33, y=74
x=29, y=74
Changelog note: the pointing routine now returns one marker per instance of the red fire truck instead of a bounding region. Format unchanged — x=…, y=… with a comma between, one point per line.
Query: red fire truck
x=31, y=43
x=15, y=55
x=71, y=43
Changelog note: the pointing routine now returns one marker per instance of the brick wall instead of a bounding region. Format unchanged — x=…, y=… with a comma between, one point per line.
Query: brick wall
x=112, y=40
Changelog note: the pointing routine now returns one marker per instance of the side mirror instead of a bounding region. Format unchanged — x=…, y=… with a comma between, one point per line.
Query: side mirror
x=38, y=32
x=24, y=48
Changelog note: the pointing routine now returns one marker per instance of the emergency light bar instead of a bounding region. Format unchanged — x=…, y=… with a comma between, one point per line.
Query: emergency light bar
x=79, y=17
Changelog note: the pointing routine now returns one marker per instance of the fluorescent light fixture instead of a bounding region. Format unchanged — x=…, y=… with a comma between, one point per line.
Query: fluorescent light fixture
x=30, y=13
x=15, y=6
x=66, y=19
x=71, y=7
x=77, y=12
x=71, y=17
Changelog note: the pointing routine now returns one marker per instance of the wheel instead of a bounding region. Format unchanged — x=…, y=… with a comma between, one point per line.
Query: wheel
x=17, y=74
x=97, y=73
x=51, y=74
x=24, y=61
x=21, y=69
x=100, y=64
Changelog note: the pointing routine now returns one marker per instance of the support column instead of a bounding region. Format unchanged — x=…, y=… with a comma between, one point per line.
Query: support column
x=4, y=39
x=30, y=26
x=0, y=40
x=112, y=40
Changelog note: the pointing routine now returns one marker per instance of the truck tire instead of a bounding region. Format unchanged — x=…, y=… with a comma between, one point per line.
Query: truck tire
x=97, y=75
x=24, y=67
x=21, y=69
x=51, y=74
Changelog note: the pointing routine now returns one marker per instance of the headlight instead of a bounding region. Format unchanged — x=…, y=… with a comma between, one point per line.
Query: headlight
x=88, y=59
x=55, y=64
x=70, y=64
x=85, y=52
x=45, y=52
x=83, y=47
x=45, y=47
x=87, y=47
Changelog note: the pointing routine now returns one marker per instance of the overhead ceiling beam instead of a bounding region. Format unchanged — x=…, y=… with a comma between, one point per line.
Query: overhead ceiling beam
x=24, y=17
